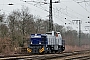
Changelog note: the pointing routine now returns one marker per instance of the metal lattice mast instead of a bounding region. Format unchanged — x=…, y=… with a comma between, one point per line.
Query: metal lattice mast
x=79, y=31
x=50, y=17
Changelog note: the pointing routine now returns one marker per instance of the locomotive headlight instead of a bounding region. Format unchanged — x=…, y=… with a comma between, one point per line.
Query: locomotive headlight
x=47, y=48
x=31, y=42
x=39, y=42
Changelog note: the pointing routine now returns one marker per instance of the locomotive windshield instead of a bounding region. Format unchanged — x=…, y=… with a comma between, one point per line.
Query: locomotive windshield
x=38, y=39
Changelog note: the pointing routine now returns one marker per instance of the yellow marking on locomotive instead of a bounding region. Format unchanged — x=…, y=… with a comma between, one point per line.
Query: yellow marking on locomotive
x=41, y=50
x=29, y=50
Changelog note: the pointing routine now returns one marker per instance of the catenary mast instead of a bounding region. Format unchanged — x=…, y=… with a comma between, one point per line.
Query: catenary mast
x=50, y=17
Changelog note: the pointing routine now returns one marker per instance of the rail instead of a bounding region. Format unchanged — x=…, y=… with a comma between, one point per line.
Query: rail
x=62, y=56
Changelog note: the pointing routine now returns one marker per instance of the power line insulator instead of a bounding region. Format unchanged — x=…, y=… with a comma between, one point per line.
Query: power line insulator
x=25, y=1
x=10, y=4
x=56, y=1
x=88, y=16
x=88, y=22
x=65, y=23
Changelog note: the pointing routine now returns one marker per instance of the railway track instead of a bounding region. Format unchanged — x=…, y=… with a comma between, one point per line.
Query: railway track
x=76, y=55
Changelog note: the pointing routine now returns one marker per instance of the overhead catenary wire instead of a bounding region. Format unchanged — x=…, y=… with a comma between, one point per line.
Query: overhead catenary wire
x=71, y=10
x=82, y=7
x=36, y=5
x=48, y=11
x=71, y=15
x=65, y=14
x=83, y=17
x=39, y=6
x=53, y=8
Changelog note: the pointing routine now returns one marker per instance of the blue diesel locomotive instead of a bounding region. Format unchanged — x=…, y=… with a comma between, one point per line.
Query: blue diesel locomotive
x=51, y=42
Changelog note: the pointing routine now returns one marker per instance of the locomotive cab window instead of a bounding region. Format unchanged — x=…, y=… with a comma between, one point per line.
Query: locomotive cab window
x=43, y=41
x=49, y=33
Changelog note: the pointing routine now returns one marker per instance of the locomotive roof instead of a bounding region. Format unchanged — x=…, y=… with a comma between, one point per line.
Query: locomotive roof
x=39, y=34
x=49, y=32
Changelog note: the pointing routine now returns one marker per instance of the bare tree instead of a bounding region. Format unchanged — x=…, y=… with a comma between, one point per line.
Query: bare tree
x=21, y=24
x=3, y=27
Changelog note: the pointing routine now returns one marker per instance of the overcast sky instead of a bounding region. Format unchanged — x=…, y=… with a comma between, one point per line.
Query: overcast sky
x=69, y=9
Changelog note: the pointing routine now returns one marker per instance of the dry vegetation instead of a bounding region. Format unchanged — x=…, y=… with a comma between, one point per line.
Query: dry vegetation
x=5, y=46
x=70, y=48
